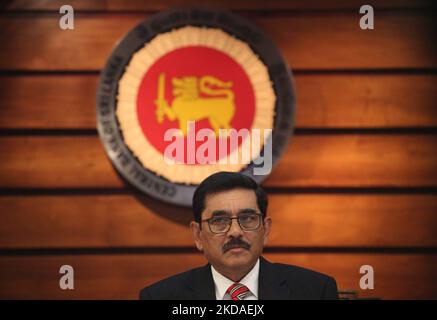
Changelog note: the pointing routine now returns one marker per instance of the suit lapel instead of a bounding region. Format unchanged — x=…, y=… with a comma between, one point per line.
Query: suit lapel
x=271, y=285
x=202, y=284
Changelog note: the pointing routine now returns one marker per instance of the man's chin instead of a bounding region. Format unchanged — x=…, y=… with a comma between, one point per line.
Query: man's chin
x=238, y=256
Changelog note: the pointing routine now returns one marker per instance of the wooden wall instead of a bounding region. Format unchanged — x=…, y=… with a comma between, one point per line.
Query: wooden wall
x=357, y=186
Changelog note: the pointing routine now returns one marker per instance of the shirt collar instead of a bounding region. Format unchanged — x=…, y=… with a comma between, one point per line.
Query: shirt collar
x=222, y=283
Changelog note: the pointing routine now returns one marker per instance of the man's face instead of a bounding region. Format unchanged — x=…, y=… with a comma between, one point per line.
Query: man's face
x=235, y=249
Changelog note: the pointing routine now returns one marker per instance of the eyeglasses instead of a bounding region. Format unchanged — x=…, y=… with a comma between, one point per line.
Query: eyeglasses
x=222, y=224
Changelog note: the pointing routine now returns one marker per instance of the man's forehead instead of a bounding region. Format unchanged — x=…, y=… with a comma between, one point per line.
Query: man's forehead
x=233, y=200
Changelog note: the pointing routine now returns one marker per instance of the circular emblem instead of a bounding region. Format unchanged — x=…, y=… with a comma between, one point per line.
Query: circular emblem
x=188, y=93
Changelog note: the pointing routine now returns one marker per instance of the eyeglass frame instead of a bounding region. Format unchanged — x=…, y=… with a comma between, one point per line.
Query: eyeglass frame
x=258, y=214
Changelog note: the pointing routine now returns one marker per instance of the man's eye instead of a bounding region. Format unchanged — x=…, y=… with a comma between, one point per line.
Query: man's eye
x=247, y=218
x=218, y=220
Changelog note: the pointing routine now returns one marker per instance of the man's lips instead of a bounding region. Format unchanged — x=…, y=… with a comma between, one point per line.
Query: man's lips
x=237, y=249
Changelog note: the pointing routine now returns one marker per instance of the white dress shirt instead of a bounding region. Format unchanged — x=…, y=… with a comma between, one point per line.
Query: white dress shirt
x=222, y=283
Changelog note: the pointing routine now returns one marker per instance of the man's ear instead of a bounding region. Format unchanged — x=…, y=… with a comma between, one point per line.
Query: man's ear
x=195, y=229
x=267, y=227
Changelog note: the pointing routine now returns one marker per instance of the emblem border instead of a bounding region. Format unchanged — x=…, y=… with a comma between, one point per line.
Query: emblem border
x=126, y=164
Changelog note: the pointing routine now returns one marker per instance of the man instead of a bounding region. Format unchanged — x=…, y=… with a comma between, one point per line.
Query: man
x=231, y=228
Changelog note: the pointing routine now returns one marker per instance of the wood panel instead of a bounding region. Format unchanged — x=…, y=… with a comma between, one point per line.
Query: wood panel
x=311, y=161
x=346, y=78
x=323, y=101
x=408, y=276
x=366, y=101
x=40, y=102
x=305, y=220
x=358, y=161
x=127, y=5
x=400, y=40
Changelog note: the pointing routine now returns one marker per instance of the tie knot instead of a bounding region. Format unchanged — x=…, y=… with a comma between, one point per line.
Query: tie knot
x=238, y=291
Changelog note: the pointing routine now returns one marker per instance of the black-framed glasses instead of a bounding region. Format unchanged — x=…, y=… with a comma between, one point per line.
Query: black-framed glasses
x=222, y=224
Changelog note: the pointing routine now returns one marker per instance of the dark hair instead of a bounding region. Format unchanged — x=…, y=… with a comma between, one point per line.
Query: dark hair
x=223, y=181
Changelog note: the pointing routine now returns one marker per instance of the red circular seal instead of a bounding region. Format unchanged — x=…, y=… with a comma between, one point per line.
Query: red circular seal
x=193, y=101
x=195, y=83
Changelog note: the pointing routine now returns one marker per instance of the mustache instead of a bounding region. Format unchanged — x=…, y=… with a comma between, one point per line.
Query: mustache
x=235, y=243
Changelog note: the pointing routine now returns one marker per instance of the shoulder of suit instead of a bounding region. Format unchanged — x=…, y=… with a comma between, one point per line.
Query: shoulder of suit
x=168, y=288
x=305, y=283
x=295, y=273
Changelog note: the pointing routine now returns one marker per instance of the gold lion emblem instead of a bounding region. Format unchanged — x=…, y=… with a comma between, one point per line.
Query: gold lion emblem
x=188, y=105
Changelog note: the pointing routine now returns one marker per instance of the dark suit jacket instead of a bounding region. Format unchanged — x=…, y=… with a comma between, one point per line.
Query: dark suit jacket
x=276, y=282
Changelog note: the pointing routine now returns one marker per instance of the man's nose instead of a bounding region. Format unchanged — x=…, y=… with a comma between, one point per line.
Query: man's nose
x=235, y=229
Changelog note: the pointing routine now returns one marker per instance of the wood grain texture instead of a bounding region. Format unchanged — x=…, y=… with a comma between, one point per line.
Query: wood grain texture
x=119, y=241
x=121, y=276
x=401, y=40
x=252, y=5
x=310, y=161
x=43, y=102
x=323, y=101
x=299, y=220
